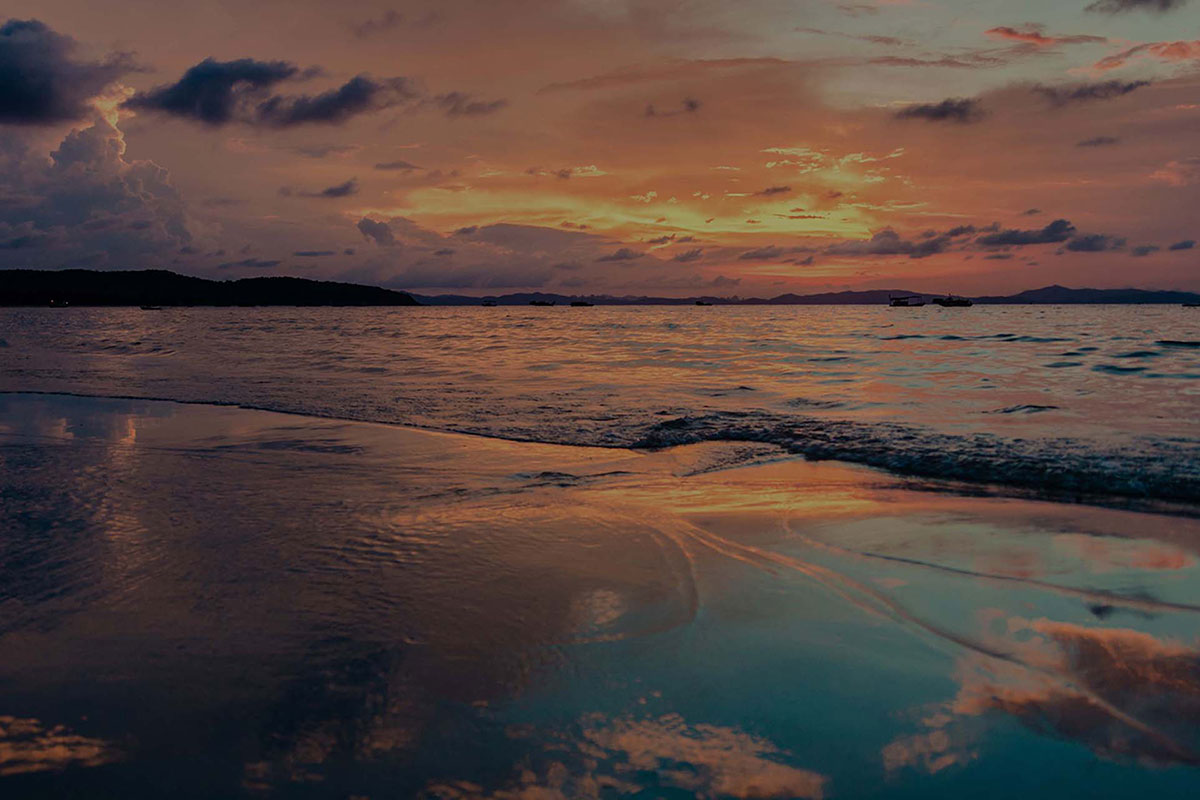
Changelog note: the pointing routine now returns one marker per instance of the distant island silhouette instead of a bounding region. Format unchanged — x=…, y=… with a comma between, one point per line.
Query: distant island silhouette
x=150, y=288
x=157, y=287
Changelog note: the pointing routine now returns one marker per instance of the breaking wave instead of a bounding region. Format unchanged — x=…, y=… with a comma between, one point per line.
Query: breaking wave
x=1068, y=402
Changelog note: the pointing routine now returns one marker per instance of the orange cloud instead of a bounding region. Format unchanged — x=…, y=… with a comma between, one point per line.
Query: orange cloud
x=1033, y=34
x=1160, y=51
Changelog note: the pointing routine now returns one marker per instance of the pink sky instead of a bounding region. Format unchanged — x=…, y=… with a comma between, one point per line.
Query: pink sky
x=608, y=146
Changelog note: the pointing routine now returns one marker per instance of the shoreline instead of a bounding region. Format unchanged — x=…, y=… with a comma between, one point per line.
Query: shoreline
x=918, y=480
x=347, y=601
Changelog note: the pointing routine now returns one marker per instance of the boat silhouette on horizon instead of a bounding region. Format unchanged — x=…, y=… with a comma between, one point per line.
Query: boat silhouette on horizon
x=953, y=301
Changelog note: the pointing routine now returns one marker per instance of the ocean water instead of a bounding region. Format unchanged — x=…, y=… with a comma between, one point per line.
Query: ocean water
x=1067, y=400
x=203, y=601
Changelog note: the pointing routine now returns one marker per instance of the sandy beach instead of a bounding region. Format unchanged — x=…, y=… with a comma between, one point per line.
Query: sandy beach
x=209, y=601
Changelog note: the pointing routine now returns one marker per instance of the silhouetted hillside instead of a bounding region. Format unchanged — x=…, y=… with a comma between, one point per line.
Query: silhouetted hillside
x=1064, y=295
x=83, y=287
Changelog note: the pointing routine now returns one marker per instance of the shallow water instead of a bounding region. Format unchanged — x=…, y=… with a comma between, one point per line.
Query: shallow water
x=1074, y=399
x=214, y=602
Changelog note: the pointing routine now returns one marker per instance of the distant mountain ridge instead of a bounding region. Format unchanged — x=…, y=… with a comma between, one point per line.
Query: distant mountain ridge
x=1046, y=295
x=81, y=287
x=1063, y=295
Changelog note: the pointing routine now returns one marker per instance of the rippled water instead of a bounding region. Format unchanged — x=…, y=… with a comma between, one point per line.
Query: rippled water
x=213, y=602
x=1093, y=399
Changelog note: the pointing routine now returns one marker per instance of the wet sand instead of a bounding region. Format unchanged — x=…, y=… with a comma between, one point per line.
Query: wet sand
x=208, y=601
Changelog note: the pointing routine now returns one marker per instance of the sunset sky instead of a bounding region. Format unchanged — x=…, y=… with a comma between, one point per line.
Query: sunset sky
x=608, y=146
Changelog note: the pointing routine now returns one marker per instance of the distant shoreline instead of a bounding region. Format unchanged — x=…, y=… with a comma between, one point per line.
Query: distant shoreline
x=27, y=288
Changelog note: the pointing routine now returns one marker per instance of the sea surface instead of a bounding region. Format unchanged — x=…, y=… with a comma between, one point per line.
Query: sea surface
x=1069, y=401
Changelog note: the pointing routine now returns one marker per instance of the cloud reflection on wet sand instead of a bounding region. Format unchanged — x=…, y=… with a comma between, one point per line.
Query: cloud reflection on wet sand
x=1120, y=692
x=29, y=745
x=616, y=757
x=369, y=609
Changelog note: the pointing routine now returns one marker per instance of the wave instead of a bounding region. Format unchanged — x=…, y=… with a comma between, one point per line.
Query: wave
x=1157, y=472
x=1150, y=469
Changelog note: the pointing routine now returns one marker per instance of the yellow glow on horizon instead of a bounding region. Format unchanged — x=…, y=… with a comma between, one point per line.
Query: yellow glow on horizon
x=446, y=210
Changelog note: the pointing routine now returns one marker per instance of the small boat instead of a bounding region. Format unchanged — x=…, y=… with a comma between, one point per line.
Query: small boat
x=151, y=308
x=489, y=303
x=953, y=301
x=702, y=303
x=906, y=301
x=581, y=304
x=541, y=302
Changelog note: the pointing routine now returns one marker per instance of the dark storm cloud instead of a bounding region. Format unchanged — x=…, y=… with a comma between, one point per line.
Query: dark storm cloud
x=1094, y=243
x=346, y=189
x=314, y=253
x=378, y=232
x=622, y=254
x=325, y=150
x=858, y=9
x=22, y=242
x=1087, y=92
x=563, y=174
x=458, y=104
x=889, y=243
x=884, y=243
x=1124, y=6
x=688, y=256
x=466, y=230
x=931, y=247
x=87, y=205
x=688, y=106
x=41, y=83
x=256, y=263
x=361, y=94
x=1098, y=141
x=770, y=191
x=391, y=20
x=387, y=21
x=1145, y=250
x=220, y=92
x=214, y=92
x=397, y=165
x=761, y=253
x=1060, y=230
x=960, y=110
x=1186, y=244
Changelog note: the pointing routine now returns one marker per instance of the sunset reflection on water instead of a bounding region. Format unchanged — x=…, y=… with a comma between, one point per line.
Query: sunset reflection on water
x=326, y=608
